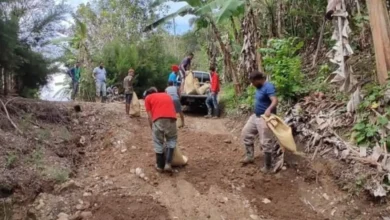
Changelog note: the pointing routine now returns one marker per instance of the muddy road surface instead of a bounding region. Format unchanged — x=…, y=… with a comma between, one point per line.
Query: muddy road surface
x=117, y=179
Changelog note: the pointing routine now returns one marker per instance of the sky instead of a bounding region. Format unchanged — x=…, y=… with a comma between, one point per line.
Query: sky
x=182, y=23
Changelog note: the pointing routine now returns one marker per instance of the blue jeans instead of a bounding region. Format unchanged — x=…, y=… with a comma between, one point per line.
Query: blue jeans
x=75, y=89
x=212, y=103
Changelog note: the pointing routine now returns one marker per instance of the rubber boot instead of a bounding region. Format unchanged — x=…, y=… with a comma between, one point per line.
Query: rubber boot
x=168, y=161
x=127, y=109
x=209, y=113
x=160, y=162
x=216, y=113
x=267, y=163
x=249, y=158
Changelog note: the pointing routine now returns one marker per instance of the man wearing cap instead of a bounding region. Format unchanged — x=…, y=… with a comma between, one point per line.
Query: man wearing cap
x=265, y=104
x=162, y=119
x=173, y=76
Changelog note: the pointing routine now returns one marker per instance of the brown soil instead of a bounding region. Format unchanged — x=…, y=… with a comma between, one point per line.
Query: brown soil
x=212, y=186
x=110, y=208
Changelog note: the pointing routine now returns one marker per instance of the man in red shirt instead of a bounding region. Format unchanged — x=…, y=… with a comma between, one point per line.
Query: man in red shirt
x=162, y=119
x=212, y=101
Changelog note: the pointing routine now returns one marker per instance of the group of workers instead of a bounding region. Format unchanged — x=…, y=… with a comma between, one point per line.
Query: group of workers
x=99, y=74
x=162, y=109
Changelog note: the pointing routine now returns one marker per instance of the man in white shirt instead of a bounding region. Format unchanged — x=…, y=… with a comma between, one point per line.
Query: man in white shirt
x=100, y=76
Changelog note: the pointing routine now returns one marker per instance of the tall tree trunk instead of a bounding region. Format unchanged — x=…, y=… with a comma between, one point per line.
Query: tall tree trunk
x=259, y=59
x=212, y=51
x=5, y=82
x=1, y=80
x=380, y=28
x=273, y=23
x=229, y=72
x=236, y=34
x=249, y=59
x=279, y=16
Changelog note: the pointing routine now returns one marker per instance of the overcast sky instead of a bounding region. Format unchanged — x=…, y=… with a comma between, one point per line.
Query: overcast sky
x=182, y=23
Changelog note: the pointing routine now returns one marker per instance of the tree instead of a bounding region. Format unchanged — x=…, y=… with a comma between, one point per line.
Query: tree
x=26, y=28
x=380, y=28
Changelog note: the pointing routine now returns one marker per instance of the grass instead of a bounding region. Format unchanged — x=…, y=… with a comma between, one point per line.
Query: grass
x=25, y=124
x=43, y=134
x=11, y=160
x=37, y=157
x=59, y=175
x=65, y=134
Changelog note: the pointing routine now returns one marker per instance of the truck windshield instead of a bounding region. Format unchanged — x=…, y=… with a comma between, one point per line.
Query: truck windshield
x=202, y=76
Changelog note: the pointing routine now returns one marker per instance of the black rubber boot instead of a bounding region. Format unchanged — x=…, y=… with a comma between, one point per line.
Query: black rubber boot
x=209, y=113
x=267, y=163
x=168, y=161
x=160, y=162
x=216, y=113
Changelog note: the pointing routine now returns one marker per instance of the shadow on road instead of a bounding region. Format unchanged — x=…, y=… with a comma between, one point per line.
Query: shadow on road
x=194, y=111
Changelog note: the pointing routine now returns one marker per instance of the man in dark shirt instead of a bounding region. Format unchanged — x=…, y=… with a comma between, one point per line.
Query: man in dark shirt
x=265, y=104
x=185, y=65
x=75, y=74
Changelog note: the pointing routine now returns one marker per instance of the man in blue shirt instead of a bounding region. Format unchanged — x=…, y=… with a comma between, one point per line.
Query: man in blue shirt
x=173, y=76
x=265, y=104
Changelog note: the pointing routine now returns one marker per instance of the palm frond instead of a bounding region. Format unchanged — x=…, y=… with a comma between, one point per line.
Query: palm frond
x=81, y=27
x=193, y=3
x=56, y=14
x=230, y=8
x=185, y=10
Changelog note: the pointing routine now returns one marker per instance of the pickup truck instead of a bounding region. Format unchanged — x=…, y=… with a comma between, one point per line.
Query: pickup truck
x=196, y=100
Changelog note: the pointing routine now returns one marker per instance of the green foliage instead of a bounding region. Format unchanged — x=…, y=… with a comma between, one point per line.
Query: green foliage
x=361, y=20
x=228, y=97
x=87, y=85
x=283, y=63
x=227, y=8
x=318, y=83
x=230, y=100
x=374, y=118
x=118, y=59
x=22, y=27
x=37, y=157
x=32, y=71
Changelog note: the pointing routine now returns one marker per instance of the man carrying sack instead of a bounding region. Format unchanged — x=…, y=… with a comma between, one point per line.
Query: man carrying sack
x=162, y=119
x=265, y=104
x=184, y=66
x=128, y=86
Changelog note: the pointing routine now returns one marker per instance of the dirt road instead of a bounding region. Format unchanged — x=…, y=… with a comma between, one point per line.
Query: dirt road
x=212, y=186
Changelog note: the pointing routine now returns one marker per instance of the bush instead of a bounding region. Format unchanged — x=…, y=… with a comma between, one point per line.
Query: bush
x=373, y=118
x=233, y=104
x=282, y=61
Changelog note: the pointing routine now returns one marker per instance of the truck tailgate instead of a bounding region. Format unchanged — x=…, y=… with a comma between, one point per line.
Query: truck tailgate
x=193, y=96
